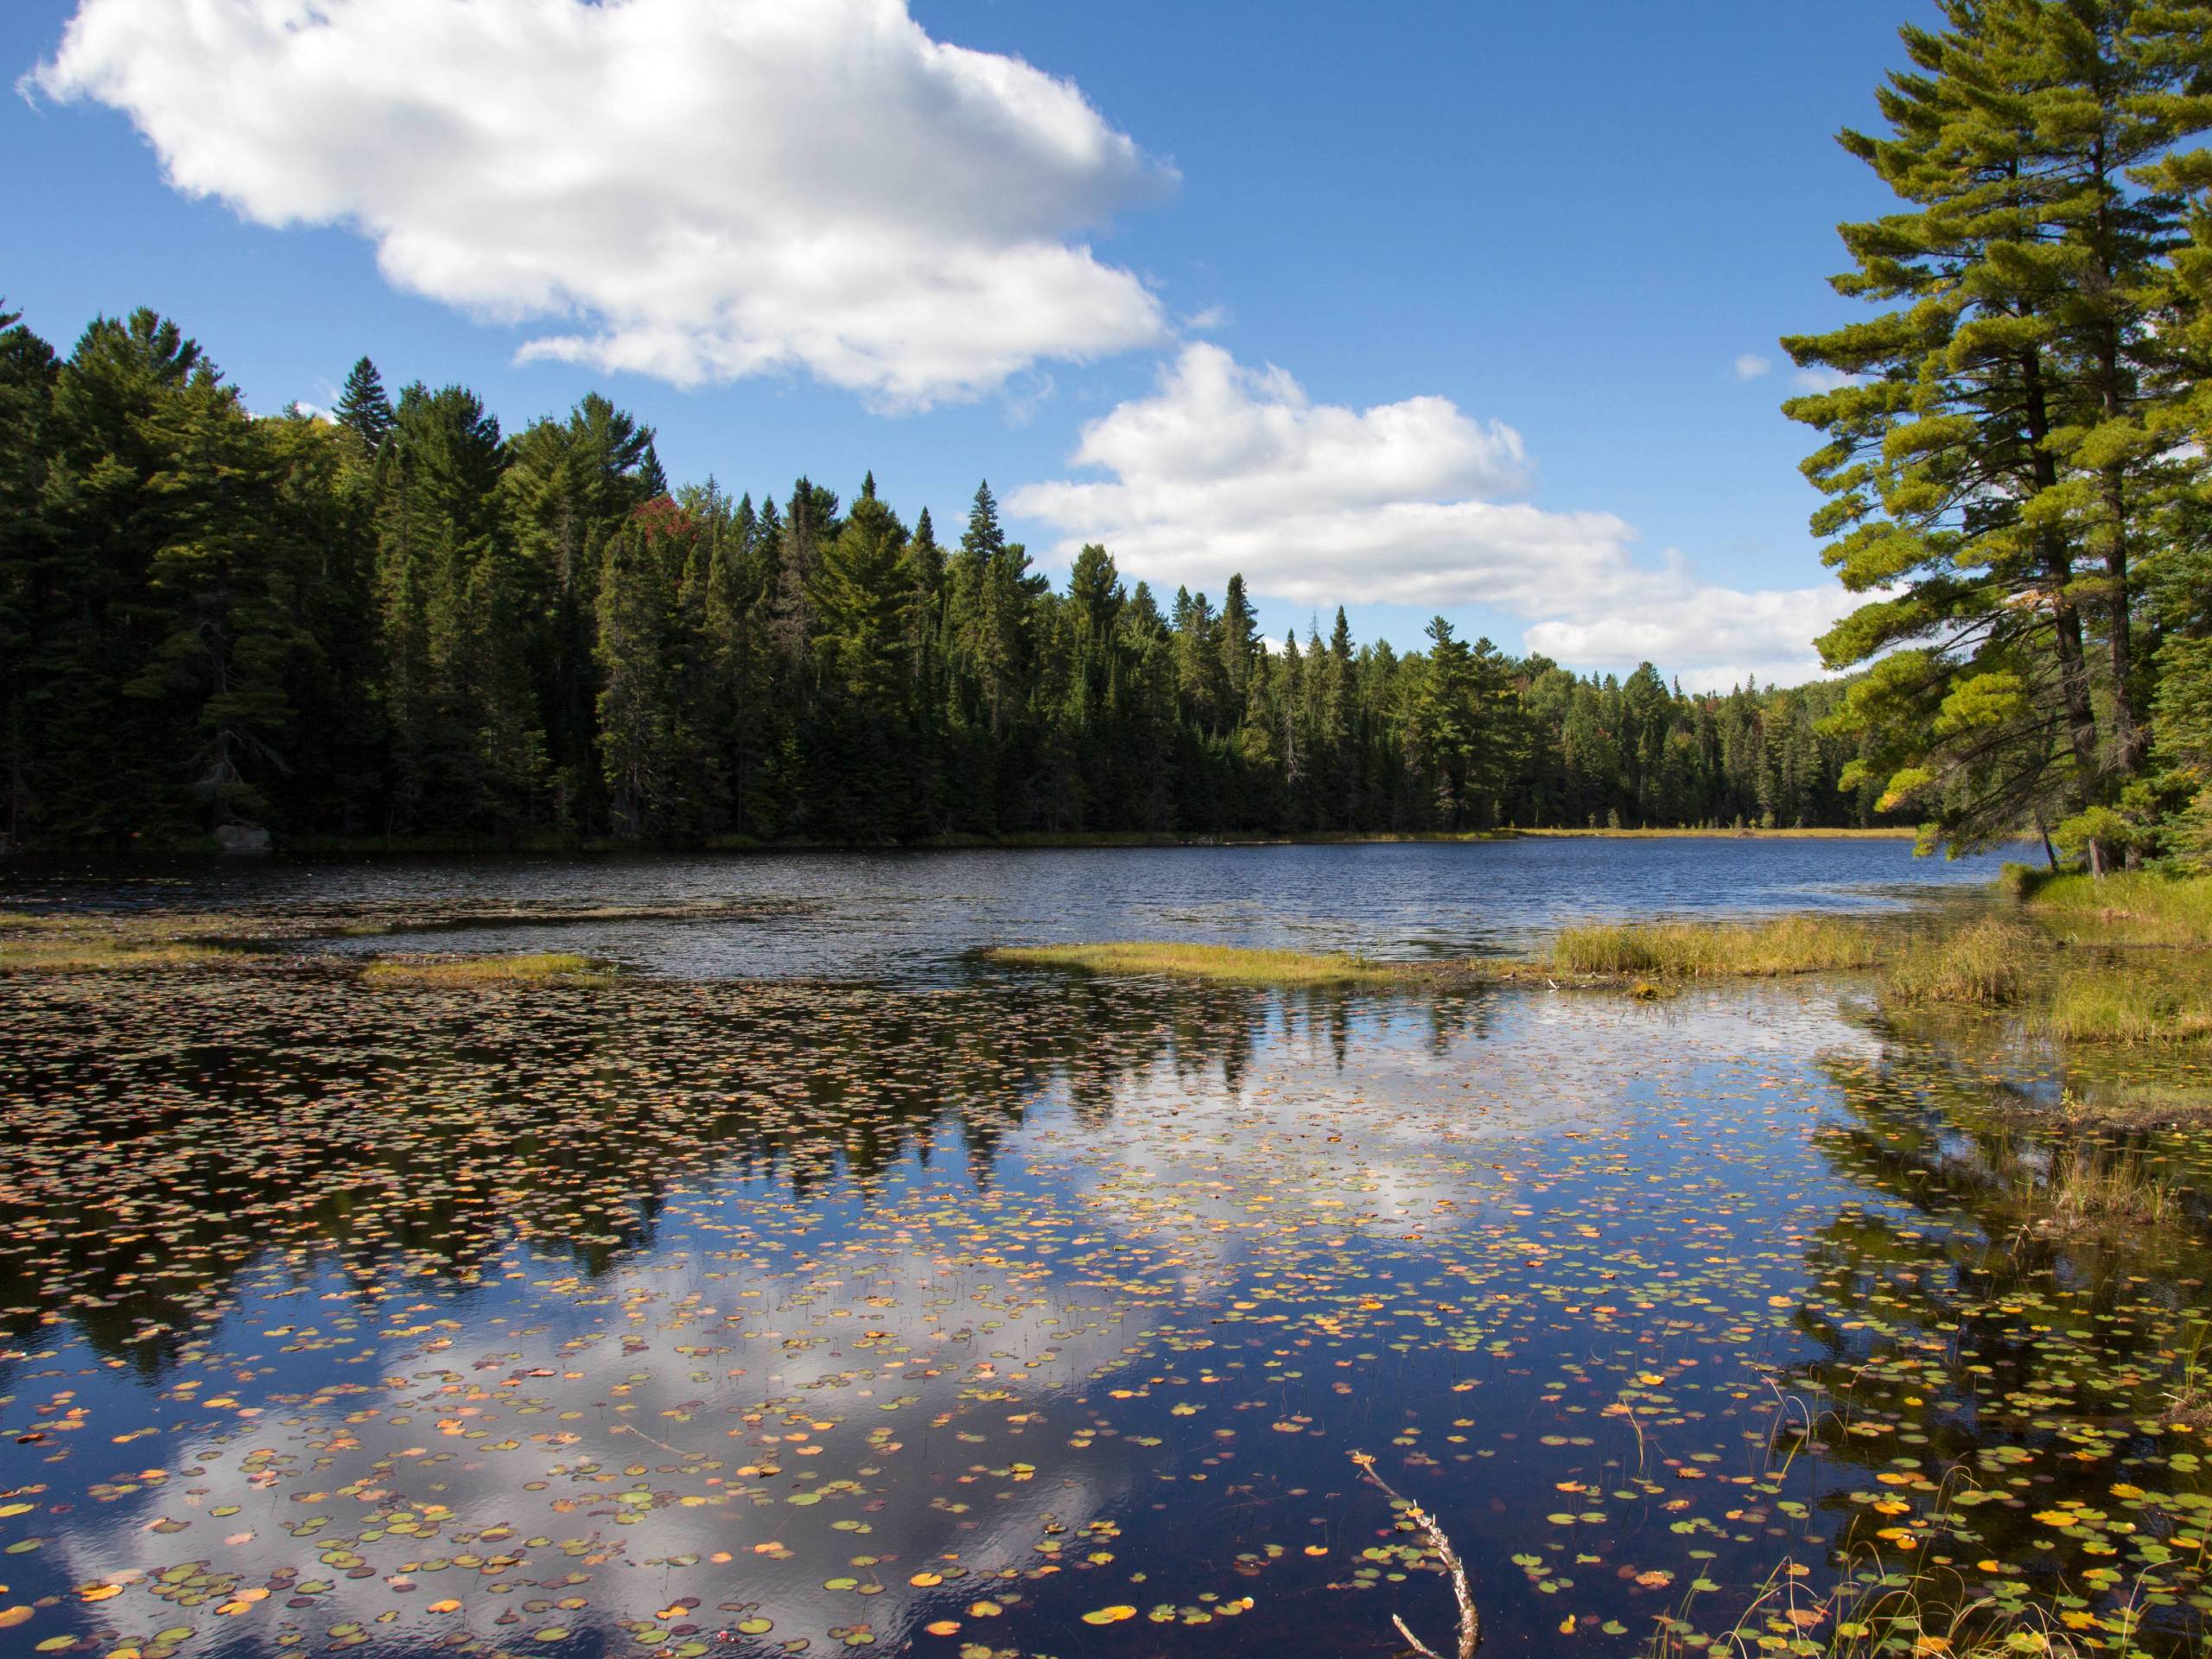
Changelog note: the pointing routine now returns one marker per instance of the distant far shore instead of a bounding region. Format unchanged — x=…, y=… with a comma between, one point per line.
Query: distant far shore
x=453, y=847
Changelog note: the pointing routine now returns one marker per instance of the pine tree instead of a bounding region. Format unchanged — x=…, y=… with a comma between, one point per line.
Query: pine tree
x=1995, y=456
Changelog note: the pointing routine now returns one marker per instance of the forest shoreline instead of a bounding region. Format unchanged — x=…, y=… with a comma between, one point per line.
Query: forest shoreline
x=451, y=847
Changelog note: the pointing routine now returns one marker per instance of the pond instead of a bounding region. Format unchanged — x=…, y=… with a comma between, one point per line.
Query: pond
x=977, y=1313
x=909, y=916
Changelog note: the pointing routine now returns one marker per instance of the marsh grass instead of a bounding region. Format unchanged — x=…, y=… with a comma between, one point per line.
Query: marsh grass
x=2127, y=907
x=1788, y=944
x=1233, y=964
x=540, y=968
x=1985, y=964
x=2132, y=1000
x=99, y=955
x=1645, y=960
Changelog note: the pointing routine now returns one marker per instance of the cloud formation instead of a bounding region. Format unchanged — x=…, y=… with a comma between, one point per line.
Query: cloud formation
x=1226, y=468
x=1750, y=365
x=1819, y=377
x=701, y=191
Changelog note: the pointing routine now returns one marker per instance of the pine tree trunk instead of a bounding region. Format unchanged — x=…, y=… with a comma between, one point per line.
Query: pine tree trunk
x=2130, y=736
x=2065, y=615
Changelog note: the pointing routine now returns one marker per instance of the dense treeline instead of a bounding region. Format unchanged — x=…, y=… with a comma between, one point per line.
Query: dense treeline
x=403, y=622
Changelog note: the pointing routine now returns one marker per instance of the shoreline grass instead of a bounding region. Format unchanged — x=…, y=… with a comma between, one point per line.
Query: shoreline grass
x=2126, y=907
x=533, y=968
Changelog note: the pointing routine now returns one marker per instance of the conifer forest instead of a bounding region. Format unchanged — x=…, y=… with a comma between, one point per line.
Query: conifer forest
x=405, y=622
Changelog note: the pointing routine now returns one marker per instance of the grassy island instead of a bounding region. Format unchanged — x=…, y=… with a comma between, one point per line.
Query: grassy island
x=542, y=967
x=1229, y=964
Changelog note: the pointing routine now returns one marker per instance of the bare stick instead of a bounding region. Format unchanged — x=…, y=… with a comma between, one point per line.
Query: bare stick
x=673, y=1450
x=1470, y=1623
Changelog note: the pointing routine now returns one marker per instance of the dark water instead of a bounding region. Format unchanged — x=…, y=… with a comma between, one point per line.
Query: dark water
x=688, y=1316
x=908, y=915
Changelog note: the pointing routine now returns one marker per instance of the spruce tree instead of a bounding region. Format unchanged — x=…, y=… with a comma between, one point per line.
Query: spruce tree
x=363, y=408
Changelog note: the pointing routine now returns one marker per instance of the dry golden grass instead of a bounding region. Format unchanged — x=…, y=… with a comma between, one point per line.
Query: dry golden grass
x=542, y=968
x=1233, y=964
x=1787, y=945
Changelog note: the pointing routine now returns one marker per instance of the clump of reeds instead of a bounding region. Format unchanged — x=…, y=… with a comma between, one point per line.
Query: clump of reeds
x=2086, y=1191
x=543, y=967
x=1983, y=965
x=1787, y=945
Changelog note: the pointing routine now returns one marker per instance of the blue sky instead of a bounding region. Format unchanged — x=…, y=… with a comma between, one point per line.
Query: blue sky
x=1569, y=221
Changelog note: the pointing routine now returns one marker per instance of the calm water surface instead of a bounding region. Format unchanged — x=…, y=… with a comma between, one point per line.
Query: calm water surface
x=909, y=915
x=939, y=1312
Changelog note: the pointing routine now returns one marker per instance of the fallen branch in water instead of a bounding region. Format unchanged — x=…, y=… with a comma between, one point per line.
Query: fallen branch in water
x=675, y=1450
x=1470, y=1622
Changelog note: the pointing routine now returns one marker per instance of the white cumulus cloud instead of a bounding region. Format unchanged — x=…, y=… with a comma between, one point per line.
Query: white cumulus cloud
x=1750, y=365
x=1819, y=377
x=693, y=189
x=1226, y=468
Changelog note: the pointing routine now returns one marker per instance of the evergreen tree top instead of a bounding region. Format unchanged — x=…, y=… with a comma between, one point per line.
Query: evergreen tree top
x=983, y=539
x=363, y=408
